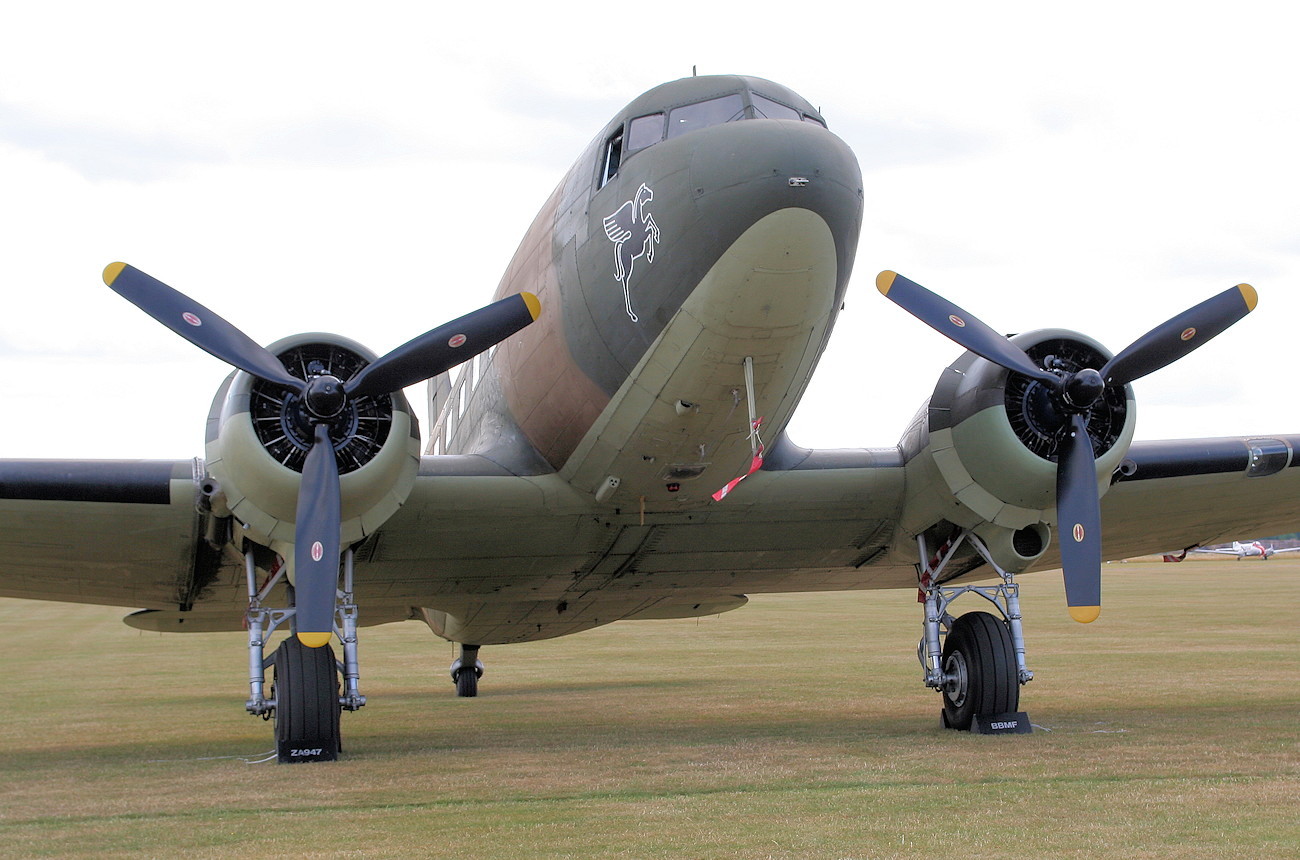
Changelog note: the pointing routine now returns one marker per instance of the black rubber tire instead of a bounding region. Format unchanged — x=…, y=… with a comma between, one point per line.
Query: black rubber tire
x=979, y=649
x=306, y=703
x=466, y=683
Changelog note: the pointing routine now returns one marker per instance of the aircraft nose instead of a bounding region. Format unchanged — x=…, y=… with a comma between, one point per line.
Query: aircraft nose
x=783, y=154
x=742, y=171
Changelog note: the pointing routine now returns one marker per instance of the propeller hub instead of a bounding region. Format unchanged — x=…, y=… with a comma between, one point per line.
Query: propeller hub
x=324, y=397
x=1083, y=388
x=1041, y=413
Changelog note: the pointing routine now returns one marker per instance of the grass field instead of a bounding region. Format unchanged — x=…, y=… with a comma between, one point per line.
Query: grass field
x=796, y=727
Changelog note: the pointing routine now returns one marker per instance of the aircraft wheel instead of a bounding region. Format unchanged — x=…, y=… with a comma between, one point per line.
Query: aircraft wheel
x=306, y=703
x=978, y=654
x=467, y=683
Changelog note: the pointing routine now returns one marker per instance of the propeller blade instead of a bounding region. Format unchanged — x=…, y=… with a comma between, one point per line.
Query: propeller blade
x=445, y=346
x=1174, y=339
x=1078, y=520
x=957, y=325
x=197, y=324
x=316, y=543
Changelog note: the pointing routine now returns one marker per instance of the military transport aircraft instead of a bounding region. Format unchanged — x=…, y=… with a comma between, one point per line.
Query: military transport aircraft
x=613, y=446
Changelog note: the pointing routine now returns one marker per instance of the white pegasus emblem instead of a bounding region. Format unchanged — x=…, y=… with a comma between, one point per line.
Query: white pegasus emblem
x=634, y=233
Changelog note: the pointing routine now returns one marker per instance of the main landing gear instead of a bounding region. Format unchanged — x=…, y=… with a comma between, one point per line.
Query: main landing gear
x=466, y=671
x=980, y=665
x=305, y=700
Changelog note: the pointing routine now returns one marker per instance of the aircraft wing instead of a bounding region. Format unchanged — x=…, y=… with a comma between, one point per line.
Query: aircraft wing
x=807, y=521
x=1199, y=491
x=479, y=551
x=123, y=532
x=1166, y=493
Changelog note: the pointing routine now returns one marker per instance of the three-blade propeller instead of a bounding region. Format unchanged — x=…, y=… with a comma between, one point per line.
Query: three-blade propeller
x=318, y=525
x=1077, y=502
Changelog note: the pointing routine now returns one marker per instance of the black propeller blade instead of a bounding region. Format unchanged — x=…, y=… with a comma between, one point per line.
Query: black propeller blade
x=1077, y=501
x=445, y=346
x=319, y=517
x=197, y=324
x=316, y=543
x=1169, y=342
x=1078, y=523
x=956, y=324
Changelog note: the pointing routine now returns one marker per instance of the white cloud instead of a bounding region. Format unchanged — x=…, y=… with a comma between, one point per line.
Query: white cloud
x=329, y=166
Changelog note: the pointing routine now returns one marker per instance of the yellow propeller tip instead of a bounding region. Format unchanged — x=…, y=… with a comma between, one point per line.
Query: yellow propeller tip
x=884, y=281
x=534, y=306
x=111, y=271
x=1249, y=295
x=1081, y=614
x=314, y=640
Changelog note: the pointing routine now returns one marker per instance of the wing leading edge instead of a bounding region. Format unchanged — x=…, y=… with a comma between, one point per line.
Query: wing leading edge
x=508, y=558
x=1181, y=493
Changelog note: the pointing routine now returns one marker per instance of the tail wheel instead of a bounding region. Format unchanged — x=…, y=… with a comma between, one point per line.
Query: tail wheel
x=306, y=703
x=981, y=664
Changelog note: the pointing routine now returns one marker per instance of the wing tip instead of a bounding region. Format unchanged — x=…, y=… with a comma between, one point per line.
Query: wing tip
x=885, y=280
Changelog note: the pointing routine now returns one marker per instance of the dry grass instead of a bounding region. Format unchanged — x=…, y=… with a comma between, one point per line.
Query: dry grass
x=796, y=727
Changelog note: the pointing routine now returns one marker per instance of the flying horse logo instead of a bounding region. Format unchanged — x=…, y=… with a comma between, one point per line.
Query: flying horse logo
x=634, y=234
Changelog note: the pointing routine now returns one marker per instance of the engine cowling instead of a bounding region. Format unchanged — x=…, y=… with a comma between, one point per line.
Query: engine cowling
x=995, y=438
x=258, y=439
x=995, y=441
x=1067, y=405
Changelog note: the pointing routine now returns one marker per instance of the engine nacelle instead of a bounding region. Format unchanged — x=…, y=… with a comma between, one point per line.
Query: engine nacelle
x=993, y=436
x=257, y=443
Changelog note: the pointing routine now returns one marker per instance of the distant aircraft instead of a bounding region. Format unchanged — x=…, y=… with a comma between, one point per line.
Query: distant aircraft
x=613, y=447
x=1248, y=549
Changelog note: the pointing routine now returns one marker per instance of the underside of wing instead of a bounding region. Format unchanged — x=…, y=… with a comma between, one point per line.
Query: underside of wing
x=119, y=533
x=1185, y=493
x=485, y=556
x=500, y=559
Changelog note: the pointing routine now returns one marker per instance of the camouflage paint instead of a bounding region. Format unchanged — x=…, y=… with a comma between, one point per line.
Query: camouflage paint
x=707, y=187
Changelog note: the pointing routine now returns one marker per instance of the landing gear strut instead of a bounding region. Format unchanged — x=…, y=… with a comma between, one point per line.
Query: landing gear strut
x=980, y=664
x=305, y=700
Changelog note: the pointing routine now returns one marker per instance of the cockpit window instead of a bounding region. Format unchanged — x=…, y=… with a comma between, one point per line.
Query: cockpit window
x=613, y=157
x=645, y=130
x=766, y=108
x=703, y=114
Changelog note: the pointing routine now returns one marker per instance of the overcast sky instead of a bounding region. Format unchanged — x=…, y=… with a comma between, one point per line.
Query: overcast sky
x=371, y=169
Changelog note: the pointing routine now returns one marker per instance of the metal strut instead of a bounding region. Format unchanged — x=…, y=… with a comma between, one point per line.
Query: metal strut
x=346, y=628
x=1004, y=596
x=262, y=621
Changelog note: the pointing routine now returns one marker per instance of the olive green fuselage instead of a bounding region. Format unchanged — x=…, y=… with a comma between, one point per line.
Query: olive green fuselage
x=658, y=280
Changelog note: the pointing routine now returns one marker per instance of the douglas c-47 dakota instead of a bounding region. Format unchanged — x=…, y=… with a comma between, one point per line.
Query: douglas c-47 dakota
x=613, y=445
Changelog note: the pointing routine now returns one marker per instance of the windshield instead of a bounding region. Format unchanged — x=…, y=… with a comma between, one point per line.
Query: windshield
x=649, y=129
